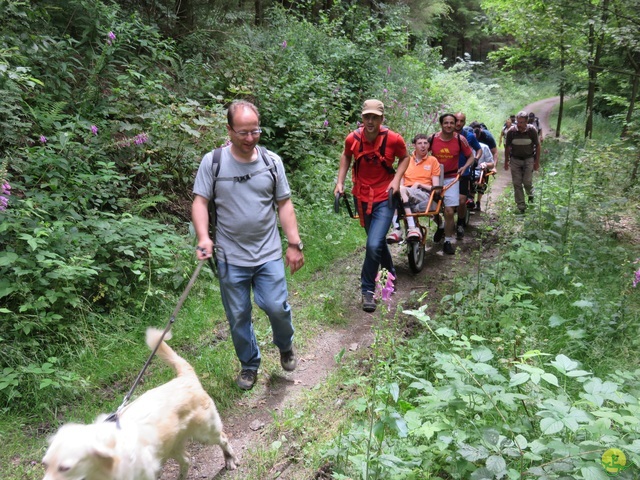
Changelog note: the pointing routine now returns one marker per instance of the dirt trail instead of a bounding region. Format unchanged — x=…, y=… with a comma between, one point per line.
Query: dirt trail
x=276, y=392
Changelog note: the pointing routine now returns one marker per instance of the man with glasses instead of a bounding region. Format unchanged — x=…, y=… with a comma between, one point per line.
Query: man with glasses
x=374, y=149
x=249, y=198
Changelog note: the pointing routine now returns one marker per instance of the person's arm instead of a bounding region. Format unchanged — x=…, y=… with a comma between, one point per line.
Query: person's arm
x=345, y=163
x=293, y=256
x=200, y=218
x=501, y=137
x=507, y=155
x=536, y=160
x=402, y=167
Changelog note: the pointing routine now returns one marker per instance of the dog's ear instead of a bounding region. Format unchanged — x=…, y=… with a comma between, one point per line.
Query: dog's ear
x=104, y=449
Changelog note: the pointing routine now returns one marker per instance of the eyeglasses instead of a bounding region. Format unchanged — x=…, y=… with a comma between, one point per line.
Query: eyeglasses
x=242, y=134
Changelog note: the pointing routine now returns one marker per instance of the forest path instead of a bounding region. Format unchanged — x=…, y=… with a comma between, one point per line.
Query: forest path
x=276, y=392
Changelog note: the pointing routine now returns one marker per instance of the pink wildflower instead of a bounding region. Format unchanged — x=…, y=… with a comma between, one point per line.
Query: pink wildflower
x=141, y=138
x=43, y=139
x=636, y=278
x=110, y=38
x=284, y=44
x=385, y=286
x=325, y=123
x=94, y=129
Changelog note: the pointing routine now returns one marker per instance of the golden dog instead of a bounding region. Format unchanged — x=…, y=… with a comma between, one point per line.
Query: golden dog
x=152, y=429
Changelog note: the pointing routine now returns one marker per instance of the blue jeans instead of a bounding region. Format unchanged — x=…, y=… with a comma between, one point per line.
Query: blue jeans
x=377, y=254
x=270, y=294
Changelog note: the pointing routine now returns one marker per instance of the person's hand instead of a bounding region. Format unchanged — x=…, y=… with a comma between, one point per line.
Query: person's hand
x=204, y=249
x=294, y=259
x=536, y=166
x=506, y=166
x=339, y=189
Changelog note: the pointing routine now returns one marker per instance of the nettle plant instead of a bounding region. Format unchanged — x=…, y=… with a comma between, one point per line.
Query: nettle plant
x=466, y=411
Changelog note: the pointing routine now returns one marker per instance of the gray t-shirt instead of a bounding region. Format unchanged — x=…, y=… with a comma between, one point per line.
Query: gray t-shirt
x=247, y=227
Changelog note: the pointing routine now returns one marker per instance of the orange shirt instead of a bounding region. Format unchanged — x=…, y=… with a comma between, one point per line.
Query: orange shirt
x=421, y=171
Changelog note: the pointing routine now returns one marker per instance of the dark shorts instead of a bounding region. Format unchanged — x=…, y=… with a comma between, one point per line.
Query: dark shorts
x=465, y=185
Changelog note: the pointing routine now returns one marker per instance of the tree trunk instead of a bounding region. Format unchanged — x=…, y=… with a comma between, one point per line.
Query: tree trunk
x=595, y=42
x=634, y=94
x=259, y=12
x=562, y=81
x=184, y=17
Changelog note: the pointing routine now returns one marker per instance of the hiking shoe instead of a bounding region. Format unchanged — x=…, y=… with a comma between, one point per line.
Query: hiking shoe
x=247, y=379
x=368, y=302
x=478, y=209
x=439, y=235
x=288, y=360
x=448, y=248
x=460, y=232
x=414, y=233
x=395, y=236
x=530, y=198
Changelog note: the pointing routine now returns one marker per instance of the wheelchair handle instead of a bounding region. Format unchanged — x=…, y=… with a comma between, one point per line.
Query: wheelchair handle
x=336, y=203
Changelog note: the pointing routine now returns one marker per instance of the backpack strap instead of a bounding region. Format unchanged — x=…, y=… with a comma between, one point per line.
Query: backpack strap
x=270, y=167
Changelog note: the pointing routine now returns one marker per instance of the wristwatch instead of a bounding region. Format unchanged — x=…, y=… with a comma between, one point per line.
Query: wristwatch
x=298, y=245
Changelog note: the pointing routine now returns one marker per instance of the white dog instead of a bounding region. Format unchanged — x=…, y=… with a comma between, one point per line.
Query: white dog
x=152, y=429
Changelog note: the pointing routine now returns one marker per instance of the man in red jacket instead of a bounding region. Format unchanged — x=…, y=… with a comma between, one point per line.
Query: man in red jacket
x=373, y=148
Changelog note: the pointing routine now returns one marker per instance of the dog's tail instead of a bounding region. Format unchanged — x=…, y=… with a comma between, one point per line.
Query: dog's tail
x=166, y=353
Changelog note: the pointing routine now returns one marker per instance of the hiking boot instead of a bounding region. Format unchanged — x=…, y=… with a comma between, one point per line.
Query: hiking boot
x=460, y=232
x=478, y=209
x=288, y=360
x=448, y=248
x=395, y=236
x=439, y=235
x=414, y=233
x=247, y=379
x=368, y=302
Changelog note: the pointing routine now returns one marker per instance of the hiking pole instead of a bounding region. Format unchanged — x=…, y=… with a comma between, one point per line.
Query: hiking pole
x=114, y=416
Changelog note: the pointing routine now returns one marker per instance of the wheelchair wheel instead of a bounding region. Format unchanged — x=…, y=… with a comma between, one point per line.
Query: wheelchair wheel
x=416, y=256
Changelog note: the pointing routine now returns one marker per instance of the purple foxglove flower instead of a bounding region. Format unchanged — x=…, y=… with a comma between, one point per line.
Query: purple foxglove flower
x=110, y=38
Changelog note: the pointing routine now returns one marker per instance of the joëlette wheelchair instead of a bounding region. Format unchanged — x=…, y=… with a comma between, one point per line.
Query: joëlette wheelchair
x=427, y=210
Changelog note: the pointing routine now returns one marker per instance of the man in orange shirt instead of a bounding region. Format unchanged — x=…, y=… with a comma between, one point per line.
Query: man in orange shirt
x=422, y=174
x=374, y=149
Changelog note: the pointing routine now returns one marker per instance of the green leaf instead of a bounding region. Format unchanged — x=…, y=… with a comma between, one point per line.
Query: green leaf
x=394, y=390
x=471, y=453
x=518, y=379
x=7, y=258
x=556, y=320
x=583, y=304
x=481, y=354
x=593, y=473
x=550, y=378
x=549, y=426
x=564, y=364
x=496, y=464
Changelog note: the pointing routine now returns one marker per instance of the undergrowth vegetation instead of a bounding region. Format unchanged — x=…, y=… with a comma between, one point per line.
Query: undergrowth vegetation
x=528, y=367
x=525, y=368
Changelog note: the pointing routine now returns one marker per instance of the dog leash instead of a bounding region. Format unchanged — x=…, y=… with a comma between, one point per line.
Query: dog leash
x=114, y=417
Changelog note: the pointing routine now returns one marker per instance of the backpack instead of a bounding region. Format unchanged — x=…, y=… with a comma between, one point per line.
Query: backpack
x=379, y=147
x=270, y=167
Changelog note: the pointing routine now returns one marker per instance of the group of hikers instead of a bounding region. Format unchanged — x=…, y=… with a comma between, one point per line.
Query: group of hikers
x=244, y=186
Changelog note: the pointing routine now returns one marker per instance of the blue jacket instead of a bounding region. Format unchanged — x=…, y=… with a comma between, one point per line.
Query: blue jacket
x=475, y=146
